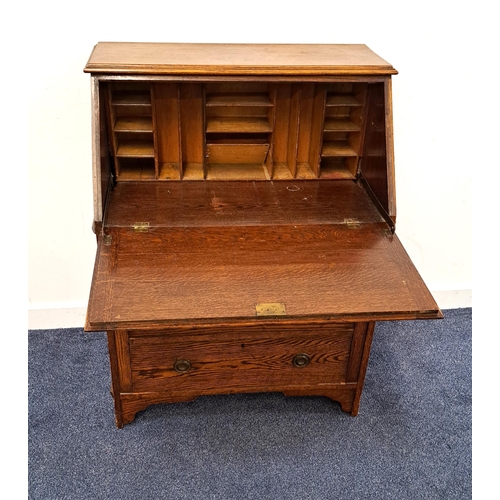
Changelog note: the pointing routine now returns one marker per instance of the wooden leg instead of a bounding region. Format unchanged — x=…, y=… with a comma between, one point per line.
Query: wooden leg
x=364, y=365
x=341, y=394
x=115, y=379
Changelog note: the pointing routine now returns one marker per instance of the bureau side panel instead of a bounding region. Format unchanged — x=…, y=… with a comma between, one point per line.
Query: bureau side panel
x=101, y=161
x=377, y=162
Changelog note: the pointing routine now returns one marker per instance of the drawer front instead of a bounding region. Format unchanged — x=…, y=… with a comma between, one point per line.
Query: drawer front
x=259, y=358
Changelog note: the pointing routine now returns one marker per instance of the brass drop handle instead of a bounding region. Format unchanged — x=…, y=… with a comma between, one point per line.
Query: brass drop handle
x=301, y=360
x=182, y=365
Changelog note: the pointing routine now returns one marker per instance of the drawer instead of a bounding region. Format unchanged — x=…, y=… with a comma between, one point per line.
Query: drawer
x=236, y=153
x=218, y=360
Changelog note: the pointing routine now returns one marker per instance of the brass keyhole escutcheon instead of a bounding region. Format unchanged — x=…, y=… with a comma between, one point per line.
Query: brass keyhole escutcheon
x=301, y=360
x=182, y=365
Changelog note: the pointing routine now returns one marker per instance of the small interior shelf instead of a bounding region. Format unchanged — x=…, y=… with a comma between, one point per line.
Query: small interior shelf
x=242, y=124
x=137, y=169
x=342, y=100
x=338, y=168
x=131, y=97
x=135, y=149
x=133, y=124
x=340, y=125
x=238, y=100
x=337, y=148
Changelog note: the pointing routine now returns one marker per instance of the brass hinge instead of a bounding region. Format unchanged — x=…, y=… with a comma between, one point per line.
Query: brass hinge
x=106, y=239
x=352, y=223
x=141, y=227
x=270, y=309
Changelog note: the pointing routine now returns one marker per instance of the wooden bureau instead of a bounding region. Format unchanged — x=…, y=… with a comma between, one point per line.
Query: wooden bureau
x=244, y=207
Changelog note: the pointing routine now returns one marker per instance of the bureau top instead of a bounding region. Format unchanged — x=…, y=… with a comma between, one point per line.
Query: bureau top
x=235, y=59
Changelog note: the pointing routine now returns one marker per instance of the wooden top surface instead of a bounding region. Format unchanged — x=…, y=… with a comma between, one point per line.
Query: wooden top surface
x=213, y=272
x=239, y=203
x=235, y=59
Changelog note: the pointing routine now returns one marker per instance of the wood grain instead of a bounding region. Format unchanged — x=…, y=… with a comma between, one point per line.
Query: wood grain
x=234, y=203
x=227, y=359
x=235, y=59
x=214, y=278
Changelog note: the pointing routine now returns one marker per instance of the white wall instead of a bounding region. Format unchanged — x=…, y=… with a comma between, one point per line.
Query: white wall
x=435, y=153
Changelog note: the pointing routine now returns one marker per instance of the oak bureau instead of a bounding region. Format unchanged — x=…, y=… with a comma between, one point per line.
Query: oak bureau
x=245, y=210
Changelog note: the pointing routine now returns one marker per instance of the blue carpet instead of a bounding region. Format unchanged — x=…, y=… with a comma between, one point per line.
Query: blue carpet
x=411, y=439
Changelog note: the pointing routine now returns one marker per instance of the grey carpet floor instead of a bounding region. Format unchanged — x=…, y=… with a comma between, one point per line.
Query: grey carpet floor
x=411, y=439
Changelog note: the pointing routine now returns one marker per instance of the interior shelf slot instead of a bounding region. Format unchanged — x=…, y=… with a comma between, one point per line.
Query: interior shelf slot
x=131, y=98
x=238, y=100
x=337, y=148
x=340, y=125
x=236, y=161
x=242, y=124
x=238, y=126
x=342, y=100
x=133, y=124
x=338, y=168
x=135, y=149
x=137, y=169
